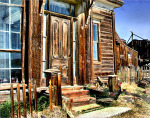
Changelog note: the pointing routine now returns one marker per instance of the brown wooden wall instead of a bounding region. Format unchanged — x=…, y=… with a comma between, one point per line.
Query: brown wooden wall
x=122, y=57
x=34, y=40
x=105, y=65
x=86, y=68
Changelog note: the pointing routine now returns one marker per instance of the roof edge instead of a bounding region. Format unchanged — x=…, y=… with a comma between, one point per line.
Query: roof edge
x=119, y=2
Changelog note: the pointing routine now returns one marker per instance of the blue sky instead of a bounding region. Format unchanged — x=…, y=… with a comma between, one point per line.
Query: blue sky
x=134, y=16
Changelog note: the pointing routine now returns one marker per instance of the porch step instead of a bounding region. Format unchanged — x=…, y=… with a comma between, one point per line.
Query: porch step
x=67, y=88
x=83, y=101
x=75, y=93
x=86, y=108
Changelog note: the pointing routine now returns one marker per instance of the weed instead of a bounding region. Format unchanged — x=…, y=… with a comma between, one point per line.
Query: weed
x=5, y=109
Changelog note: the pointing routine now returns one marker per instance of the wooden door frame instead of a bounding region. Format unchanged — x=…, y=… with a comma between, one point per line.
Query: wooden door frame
x=48, y=42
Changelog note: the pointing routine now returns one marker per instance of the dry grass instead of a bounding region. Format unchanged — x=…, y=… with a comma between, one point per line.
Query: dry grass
x=56, y=113
x=140, y=107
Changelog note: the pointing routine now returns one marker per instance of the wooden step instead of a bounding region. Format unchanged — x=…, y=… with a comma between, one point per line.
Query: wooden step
x=83, y=101
x=67, y=88
x=75, y=93
x=92, y=107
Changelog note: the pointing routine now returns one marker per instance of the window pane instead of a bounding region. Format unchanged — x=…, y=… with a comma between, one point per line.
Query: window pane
x=94, y=32
x=15, y=18
x=15, y=60
x=15, y=41
x=18, y=2
x=4, y=1
x=95, y=51
x=44, y=49
x=45, y=7
x=4, y=18
x=4, y=60
x=44, y=32
x=4, y=75
x=16, y=75
x=60, y=7
x=4, y=40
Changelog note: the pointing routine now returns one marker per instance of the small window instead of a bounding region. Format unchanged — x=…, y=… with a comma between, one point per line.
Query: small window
x=60, y=7
x=95, y=42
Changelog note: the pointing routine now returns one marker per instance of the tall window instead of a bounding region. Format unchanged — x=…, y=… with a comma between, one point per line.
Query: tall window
x=95, y=42
x=44, y=46
x=10, y=44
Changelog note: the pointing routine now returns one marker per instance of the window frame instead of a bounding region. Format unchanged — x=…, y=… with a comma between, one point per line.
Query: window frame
x=98, y=42
x=10, y=51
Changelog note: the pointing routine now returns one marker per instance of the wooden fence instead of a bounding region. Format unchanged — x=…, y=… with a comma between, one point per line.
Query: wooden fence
x=133, y=74
x=54, y=93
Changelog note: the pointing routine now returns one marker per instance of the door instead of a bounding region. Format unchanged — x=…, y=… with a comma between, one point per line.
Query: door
x=60, y=47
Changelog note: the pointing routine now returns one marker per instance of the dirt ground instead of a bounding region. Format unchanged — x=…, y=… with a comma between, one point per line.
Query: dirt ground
x=136, y=98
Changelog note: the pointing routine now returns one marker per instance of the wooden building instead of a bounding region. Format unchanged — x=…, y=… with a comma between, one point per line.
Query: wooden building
x=125, y=56
x=143, y=48
x=75, y=36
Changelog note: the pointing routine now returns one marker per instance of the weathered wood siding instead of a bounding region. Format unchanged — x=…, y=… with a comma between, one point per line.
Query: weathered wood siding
x=122, y=54
x=34, y=34
x=105, y=66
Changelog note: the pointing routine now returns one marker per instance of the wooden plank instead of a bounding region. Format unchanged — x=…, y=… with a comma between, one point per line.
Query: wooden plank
x=50, y=96
x=114, y=42
x=12, y=102
x=56, y=96
x=18, y=101
x=35, y=96
x=42, y=29
x=71, y=51
x=84, y=52
x=23, y=37
x=30, y=98
x=24, y=99
x=30, y=40
x=59, y=90
x=91, y=31
x=99, y=43
x=12, y=51
x=71, y=103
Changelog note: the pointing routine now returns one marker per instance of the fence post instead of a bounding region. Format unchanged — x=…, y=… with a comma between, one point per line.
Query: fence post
x=35, y=96
x=24, y=99
x=56, y=96
x=30, y=97
x=70, y=106
x=59, y=90
x=12, y=102
x=18, y=99
x=50, y=95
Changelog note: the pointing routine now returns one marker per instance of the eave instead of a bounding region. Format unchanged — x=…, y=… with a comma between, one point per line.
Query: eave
x=112, y=3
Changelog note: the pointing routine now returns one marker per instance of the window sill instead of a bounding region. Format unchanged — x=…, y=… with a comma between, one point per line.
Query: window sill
x=96, y=62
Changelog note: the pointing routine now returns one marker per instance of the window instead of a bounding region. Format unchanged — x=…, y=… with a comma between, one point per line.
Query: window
x=10, y=44
x=44, y=46
x=95, y=41
x=60, y=7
